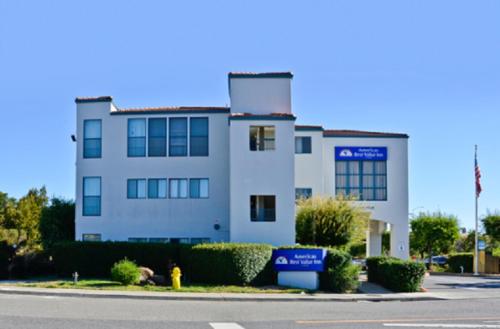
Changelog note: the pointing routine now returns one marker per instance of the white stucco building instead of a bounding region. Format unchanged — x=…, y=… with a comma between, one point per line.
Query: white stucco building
x=199, y=174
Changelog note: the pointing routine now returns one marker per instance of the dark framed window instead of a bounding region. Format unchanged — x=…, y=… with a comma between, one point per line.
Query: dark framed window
x=91, y=196
x=364, y=180
x=303, y=145
x=92, y=139
x=136, y=138
x=198, y=188
x=138, y=240
x=157, y=188
x=177, y=137
x=303, y=193
x=157, y=137
x=94, y=237
x=198, y=136
x=178, y=188
x=262, y=138
x=263, y=208
x=136, y=188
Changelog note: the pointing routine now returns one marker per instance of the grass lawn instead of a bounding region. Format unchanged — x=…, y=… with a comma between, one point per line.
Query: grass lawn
x=101, y=284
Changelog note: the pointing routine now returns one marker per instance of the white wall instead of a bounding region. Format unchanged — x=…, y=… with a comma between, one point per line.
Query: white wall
x=309, y=167
x=122, y=218
x=262, y=173
x=260, y=95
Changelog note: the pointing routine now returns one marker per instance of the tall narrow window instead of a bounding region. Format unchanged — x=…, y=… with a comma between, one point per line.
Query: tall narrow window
x=198, y=188
x=262, y=138
x=303, y=144
x=198, y=137
x=263, y=208
x=91, y=196
x=178, y=188
x=157, y=188
x=178, y=137
x=92, y=139
x=365, y=180
x=136, y=137
x=136, y=189
x=157, y=137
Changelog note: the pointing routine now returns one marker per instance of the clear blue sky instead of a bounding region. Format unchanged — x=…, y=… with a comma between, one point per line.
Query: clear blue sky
x=427, y=68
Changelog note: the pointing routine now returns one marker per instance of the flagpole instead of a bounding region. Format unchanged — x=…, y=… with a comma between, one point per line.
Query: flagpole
x=476, y=249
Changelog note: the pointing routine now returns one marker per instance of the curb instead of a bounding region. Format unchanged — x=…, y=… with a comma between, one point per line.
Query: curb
x=467, y=275
x=47, y=292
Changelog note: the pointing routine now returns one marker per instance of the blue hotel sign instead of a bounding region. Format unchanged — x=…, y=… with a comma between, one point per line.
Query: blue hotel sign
x=299, y=259
x=360, y=153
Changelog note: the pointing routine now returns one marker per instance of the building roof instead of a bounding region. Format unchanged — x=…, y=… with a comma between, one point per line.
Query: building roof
x=260, y=75
x=359, y=133
x=93, y=99
x=308, y=127
x=271, y=116
x=173, y=109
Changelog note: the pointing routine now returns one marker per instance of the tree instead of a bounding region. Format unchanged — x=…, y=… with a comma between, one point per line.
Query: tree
x=492, y=226
x=29, y=209
x=330, y=222
x=57, y=222
x=433, y=233
x=465, y=243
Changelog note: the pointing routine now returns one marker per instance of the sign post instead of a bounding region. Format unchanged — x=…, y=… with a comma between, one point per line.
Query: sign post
x=299, y=267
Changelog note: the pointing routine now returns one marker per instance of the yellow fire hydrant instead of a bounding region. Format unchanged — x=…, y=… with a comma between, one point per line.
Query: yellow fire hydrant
x=176, y=278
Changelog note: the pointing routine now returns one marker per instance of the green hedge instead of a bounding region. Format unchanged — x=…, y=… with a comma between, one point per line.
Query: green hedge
x=95, y=259
x=231, y=263
x=395, y=274
x=465, y=259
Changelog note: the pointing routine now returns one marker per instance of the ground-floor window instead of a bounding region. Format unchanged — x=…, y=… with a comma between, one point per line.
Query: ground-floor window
x=91, y=196
x=263, y=208
x=303, y=193
x=91, y=237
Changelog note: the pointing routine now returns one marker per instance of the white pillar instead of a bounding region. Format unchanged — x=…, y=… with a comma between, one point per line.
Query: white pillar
x=400, y=246
x=374, y=238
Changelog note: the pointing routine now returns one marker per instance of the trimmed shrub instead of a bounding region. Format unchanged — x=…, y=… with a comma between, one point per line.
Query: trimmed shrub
x=231, y=263
x=94, y=259
x=465, y=259
x=396, y=274
x=125, y=272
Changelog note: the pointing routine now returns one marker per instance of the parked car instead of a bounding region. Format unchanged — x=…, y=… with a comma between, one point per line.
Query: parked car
x=439, y=260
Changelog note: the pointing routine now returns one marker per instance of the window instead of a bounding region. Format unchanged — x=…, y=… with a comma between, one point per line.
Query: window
x=136, y=189
x=364, y=180
x=303, y=145
x=303, y=193
x=261, y=138
x=94, y=237
x=91, y=196
x=263, y=208
x=198, y=188
x=178, y=137
x=199, y=240
x=142, y=240
x=92, y=139
x=157, y=137
x=157, y=188
x=136, y=138
x=198, y=137
x=178, y=188
x=159, y=240
x=179, y=240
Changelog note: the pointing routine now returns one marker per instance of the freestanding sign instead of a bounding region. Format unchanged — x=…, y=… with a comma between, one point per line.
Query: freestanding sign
x=360, y=153
x=299, y=267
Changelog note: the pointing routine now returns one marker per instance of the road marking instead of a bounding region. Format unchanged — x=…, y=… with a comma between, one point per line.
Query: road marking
x=395, y=320
x=440, y=325
x=227, y=325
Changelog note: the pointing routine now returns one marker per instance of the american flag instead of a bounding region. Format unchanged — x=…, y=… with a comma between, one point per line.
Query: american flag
x=477, y=172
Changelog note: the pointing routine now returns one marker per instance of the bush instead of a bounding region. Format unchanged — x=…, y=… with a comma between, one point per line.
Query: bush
x=231, y=263
x=465, y=259
x=125, y=272
x=395, y=274
x=94, y=259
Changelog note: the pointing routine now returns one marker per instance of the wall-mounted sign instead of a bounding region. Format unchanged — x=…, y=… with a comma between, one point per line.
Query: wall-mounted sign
x=360, y=153
x=481, y=245
x=299, y=259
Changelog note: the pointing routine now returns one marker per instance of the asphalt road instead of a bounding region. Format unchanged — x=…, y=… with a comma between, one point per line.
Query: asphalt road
x=27, y=312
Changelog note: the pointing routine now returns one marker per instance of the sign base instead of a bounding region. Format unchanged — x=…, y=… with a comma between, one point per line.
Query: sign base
x=299, y=279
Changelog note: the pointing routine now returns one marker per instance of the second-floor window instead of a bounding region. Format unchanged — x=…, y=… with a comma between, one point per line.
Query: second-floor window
x=262, y=138
x=136, y=138
x=198, y=137
x=178, y=137
x=263, y=208
x=157, y=137
x=363, y=180
x=136, y=188
x=92, y=142
x=303, y=145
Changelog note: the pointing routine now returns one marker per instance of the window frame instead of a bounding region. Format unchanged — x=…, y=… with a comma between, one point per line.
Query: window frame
x=129, y=138
x=259, y=217
x=199, y=188
x=84, y=211
x=192, y=136
x=163, y=152
x=178, y=188
x=302, y=138
x=297, y=189
x=136, y=180
x=98, y=235
x=171, y=136
x=148, y=188
x=86, y=139
x=360, y=175
x=260, y=143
